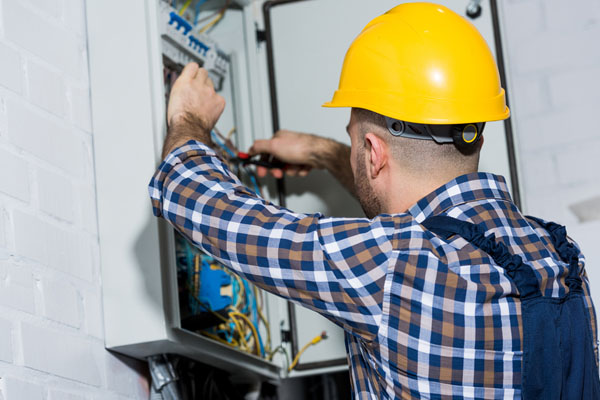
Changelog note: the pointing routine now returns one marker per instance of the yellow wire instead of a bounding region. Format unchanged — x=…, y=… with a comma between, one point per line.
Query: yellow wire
x=213, y=22
x=238, y=327
x=252, y=327
x=230, y=134
x=244, y=343
x=241, y=294
x=197, y=274
x=185, y=6
x=314, y=341
x=218, y=339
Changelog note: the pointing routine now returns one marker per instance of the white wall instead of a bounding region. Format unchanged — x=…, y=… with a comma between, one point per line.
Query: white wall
x=51, y=331
x=554, y=64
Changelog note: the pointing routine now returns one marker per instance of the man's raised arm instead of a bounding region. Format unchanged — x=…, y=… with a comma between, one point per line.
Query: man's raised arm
x=302, y=257
x=194, y=108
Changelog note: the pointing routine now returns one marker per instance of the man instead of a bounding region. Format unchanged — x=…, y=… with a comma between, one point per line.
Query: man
x=446, y=290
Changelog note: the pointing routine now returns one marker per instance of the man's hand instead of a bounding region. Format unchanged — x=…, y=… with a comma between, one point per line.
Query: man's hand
x=194, y=108
x=302, y=152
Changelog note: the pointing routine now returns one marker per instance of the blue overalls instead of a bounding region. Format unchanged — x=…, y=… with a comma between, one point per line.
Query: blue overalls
x=558, y=355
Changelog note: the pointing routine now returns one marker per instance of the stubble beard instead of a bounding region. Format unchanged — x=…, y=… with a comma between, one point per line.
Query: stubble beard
x=370, y=204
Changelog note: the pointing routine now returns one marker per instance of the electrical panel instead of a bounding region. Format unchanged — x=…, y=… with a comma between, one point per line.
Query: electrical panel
x=212, y=301
x=181, y=45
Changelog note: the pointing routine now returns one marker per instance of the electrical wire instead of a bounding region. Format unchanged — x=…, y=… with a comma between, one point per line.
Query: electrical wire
x=264, y=320
x=252, y=327
x=185, y=6
x=282, y=350
x=253, y=180
x=242, y=292
x=222, y=10
x=241, y=333
x=212, y=23
x=218, y=339
x=239, y=327
x=197, y=11
x=314, y=341
x=230, y=134
x=196, y=273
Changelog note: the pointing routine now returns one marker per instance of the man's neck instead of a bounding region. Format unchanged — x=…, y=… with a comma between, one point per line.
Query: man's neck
x=410, y=189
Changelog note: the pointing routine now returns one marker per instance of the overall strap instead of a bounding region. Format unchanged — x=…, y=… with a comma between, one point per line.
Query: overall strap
x=522, y=275
x=565, y=249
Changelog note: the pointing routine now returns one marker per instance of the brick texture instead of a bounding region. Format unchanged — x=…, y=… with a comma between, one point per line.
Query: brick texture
x=15, y=388
x=59, y=353
x=51, y=322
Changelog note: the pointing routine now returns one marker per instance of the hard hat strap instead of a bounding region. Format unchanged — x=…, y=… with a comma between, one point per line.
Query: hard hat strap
x=460, y=134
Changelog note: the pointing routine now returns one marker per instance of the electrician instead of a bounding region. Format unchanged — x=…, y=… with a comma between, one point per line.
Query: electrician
x=445, y=290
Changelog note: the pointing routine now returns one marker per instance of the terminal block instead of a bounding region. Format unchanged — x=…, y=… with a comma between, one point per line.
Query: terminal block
x=181, y=45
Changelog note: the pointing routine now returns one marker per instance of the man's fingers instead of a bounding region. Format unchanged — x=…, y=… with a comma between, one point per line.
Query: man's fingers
x=260, y=146
x=201, y=75
x=209, y=82
x=189, y=71
x=277, y=173
x=261, y=171
x=292, y=170
x=298, y=170
x=304, y=171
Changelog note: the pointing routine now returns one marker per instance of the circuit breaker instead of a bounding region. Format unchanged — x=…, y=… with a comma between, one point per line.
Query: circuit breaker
x=274, y=62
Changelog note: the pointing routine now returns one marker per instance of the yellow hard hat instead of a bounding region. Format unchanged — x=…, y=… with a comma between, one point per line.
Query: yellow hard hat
x=422, y=63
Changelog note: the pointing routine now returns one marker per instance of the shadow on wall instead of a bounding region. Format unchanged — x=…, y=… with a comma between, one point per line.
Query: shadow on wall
x=145, y=260
x=119, y=366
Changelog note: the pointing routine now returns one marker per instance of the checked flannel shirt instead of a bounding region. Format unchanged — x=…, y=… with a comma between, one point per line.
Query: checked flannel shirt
x=424, y=317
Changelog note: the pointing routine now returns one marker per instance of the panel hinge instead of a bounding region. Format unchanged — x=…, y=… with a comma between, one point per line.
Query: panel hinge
x=286, y=335
x=261, y=35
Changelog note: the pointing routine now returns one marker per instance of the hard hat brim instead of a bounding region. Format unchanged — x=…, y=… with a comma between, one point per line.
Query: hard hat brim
x=422, y=110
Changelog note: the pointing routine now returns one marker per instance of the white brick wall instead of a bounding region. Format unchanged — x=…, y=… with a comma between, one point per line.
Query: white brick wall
x=554, y=67
x=51, y=330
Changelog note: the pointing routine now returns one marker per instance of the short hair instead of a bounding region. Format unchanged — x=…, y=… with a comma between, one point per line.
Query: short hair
x=418, y=156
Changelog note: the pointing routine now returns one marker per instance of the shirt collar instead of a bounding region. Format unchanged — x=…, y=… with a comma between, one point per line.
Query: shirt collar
x=465, y=188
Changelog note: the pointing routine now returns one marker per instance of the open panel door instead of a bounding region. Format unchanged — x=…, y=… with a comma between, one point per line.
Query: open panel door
x=307, y=41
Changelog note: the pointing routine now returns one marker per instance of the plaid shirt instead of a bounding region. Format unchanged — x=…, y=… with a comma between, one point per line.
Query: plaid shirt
x=424, y=317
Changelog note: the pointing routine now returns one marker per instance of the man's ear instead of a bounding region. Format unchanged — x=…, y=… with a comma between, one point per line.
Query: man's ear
x=377, y=152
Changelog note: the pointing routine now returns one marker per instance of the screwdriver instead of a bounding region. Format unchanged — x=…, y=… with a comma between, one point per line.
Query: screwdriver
x=259, y=160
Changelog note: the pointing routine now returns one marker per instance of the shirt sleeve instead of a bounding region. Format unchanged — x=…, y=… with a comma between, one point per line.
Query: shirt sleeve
x=334, y=266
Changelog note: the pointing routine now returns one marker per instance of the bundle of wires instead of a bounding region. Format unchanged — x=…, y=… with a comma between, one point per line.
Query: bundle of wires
x=213, y=19
x=240, y=322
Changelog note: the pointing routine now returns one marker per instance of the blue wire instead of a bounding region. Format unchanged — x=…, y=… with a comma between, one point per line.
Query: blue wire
x=254, y=306
x=190, y=273
x=254, y=183
x=235, y=289
x=248, y=294
x=198, y=5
